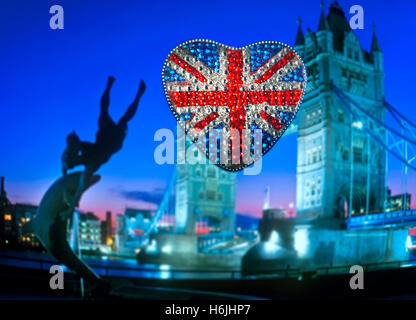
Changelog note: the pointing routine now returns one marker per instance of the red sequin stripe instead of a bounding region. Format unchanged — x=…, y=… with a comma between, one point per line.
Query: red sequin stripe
x=187, y=67
x=204, y=122
x=273, y=69
x=235, y=99
x=275, y=123
x=275, y=98
x=238, y=99
x=198, y=98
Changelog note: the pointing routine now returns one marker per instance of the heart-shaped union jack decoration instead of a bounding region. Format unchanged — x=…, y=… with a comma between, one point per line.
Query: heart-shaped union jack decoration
x=234, y=103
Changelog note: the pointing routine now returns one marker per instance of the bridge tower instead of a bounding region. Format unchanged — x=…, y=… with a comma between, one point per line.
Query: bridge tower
x=340, y=170
x=205, y=194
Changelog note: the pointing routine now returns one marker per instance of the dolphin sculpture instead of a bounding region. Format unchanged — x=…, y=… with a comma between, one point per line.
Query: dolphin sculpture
x=51, y=222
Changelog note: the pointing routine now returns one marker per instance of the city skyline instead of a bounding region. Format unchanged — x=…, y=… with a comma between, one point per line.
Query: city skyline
x=57, y=97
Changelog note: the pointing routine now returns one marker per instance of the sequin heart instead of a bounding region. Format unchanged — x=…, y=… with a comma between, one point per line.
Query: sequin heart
x=234, y=103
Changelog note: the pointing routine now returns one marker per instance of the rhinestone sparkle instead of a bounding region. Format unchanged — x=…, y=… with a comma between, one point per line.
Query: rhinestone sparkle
x=219, y=94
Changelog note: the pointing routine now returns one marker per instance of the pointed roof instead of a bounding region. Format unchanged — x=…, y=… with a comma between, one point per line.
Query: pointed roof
x=338, y=25
x=375, y=46
x=323, y=23
x=300, y=39
x=336, y=5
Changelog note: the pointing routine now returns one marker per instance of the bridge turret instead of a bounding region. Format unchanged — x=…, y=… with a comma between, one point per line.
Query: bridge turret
x=300, y=40
x=376, y=53
x=324, y=34
x=377, y=59
x=332, y=165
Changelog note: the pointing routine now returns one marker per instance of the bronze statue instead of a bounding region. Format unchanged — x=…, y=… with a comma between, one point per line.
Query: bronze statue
x=51, y=229
x=58, y=203
x=109, y=139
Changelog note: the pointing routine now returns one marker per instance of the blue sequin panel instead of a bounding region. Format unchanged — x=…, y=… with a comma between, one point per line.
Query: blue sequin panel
x=185, y=116
x=260, y=53
x=172, y=75
x=206, y=52
x=285, y=117
x=296, y=75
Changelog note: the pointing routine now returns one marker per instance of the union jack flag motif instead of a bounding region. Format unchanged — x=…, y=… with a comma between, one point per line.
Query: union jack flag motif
x=215, y=89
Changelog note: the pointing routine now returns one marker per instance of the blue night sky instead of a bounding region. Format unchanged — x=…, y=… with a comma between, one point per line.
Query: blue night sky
x=52, y=81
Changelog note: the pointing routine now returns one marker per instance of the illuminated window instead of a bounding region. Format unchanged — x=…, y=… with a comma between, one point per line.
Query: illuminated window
x=8, y=217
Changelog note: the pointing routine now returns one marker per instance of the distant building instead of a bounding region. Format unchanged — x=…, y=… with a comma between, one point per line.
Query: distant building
x=12, y=219
x=120, y=235
x=89, y=231
x=24, y=213
x=340, y=169
x=8, y=234
x=107, y=230
x=130, y=230
x=396, y=202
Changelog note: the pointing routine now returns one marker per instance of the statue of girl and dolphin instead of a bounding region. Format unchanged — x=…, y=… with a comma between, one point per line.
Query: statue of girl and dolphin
x=57, y=205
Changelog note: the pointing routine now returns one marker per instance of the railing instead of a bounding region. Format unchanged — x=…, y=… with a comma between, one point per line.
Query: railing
x=162, y=272
x=111, y=270
x=382, y=219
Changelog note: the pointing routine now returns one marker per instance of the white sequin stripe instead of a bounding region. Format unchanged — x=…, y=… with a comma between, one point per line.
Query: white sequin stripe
x=288, y=68
x=253, y=114
x=200, y=113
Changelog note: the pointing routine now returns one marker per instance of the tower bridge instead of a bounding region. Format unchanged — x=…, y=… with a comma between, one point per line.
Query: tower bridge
x=344, y=143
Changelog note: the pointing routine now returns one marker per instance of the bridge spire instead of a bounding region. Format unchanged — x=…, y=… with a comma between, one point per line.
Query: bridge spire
x=300, y=39
x=323, y=23
x=267, y=199
x=375, y=46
